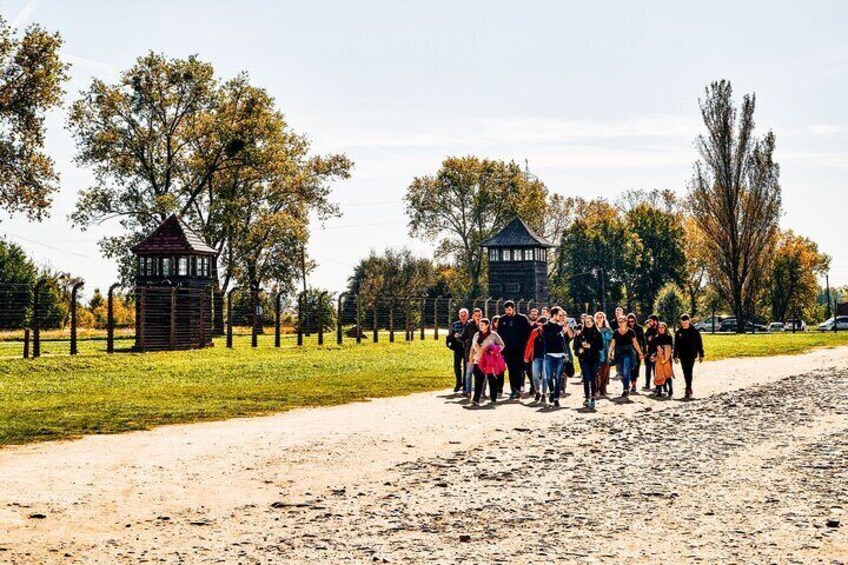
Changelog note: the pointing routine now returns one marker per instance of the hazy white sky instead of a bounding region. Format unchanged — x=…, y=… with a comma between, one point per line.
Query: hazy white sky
x=600, y=97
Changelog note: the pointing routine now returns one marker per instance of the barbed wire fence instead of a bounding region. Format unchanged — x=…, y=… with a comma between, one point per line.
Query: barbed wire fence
x=46, y=318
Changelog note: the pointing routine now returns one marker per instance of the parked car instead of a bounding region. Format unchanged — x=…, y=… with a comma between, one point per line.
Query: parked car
x=841, y=323
x=798, y=325
x=730, y=325
x=707, y=325
x=775, y=327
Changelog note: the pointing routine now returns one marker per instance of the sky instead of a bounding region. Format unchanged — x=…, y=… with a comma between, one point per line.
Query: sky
x=599, y=98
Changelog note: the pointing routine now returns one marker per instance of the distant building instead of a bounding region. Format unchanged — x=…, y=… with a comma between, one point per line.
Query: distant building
x=518, y=263
x=173, y=289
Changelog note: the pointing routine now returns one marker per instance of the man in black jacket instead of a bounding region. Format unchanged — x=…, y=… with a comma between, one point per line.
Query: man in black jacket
x=514, y=328
x=688, y=346
x=455, y=344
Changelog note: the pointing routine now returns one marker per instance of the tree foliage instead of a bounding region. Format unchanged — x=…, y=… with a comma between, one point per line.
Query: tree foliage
x=31, y=77
x=394, y=273
x=793, y=286
x=670, y=304
x=735, y=196
x=169, y=137
x=597, y=245
x=466, y=201
x=654, y=219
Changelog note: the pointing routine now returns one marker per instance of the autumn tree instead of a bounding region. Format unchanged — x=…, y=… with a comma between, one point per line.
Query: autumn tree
x=654, y=219
x=31, y=77
x=598, y=254
x=792, y=279
x=259, y=205
x=169, y=137
x=696, y=251
x=466, y=201
x=395, y=272
x=735, y=196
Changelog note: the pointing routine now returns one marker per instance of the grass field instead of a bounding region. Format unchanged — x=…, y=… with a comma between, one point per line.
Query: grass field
x=58, y=396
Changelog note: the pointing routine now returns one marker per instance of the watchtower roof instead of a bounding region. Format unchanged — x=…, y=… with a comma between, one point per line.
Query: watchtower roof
x=516, y=234
x=173, y=236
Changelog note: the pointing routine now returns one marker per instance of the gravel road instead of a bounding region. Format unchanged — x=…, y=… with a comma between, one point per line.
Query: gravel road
x=755, y=469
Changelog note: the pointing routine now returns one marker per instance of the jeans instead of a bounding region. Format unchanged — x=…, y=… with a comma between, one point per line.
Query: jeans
x=589, y=370
x=537, y=369
x=460, y=367
x=624, y=364
x=553, y=374
x=469, y=373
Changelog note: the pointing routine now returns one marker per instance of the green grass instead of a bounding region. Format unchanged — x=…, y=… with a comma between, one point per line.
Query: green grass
x=58, y=396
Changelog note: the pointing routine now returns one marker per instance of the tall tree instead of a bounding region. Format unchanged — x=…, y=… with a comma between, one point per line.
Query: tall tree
x=31, y=77
x=735, y=196
x=597, y=252
x=697, y=262
x=466, y=202
x=260, y=204
x=662, y=260
x=394, y=273
x=168, y=137
x=793, y=285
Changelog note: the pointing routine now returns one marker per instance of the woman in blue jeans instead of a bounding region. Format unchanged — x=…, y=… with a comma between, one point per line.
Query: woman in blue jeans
x=624, y=343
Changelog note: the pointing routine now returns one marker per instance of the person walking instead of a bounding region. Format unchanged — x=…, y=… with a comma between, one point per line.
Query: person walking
x=467, y=337
x=663, y=366
x=623, y=349
x=487, y=346
x=650, y=348
x=534, y=355
x=499, y=377
x=688, y=346
x=633, y=324
x=554, y=333
x=588, y=345
x=604, y=367
x=514, y=329
x=455, y=344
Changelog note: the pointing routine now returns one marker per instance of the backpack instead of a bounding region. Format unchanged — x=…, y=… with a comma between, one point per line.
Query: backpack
x=492, y=362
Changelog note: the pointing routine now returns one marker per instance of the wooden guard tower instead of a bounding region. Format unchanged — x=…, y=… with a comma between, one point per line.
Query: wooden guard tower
x=518, y=263
x=173, y=289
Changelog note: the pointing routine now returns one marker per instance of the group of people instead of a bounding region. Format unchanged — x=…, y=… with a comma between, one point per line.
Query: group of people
x=541, y=348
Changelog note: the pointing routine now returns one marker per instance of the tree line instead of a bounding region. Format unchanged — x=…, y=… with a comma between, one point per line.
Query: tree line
x=171, y=136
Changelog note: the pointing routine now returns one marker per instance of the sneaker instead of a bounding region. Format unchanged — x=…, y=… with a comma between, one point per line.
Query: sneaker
x=456, y=389
x=586, y=402
x=538, y=397
x=646, y=387
x=592, y=404
x=556, y=402
x=475, y=403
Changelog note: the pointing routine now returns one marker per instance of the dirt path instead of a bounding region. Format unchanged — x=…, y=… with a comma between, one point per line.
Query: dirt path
x=751, y=470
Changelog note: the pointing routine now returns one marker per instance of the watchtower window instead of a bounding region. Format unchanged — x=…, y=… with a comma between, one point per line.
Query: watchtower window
x=182, y=266
x=493, y=254
x=166, y=266
x=507, y=254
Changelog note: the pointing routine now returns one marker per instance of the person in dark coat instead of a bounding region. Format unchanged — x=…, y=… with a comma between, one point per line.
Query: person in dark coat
x=688, y=346
x=633, y=324
x=650, y=348
x=455, y=344
x=514, y=328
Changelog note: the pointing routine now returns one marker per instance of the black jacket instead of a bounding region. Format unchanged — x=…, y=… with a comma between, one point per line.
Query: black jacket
x=468, y=333
x=688, y=344
x=650, y=346
x=453, y=342
x=594, y=339
x=515, y=331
